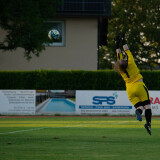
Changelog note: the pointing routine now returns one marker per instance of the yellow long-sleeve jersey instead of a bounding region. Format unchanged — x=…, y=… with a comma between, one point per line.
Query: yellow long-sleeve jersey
x=132, y=73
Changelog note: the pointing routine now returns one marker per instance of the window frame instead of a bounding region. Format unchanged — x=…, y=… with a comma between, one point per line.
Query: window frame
x=58, y=44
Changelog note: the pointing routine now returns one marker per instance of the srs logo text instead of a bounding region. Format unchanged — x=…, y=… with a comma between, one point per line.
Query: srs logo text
x=110, y=100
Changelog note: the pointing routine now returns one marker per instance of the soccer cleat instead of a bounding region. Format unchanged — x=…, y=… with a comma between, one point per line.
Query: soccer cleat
x=138, y=115
x=148, y=128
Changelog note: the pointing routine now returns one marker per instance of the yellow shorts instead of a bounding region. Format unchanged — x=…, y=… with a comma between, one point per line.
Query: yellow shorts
x=138, y=94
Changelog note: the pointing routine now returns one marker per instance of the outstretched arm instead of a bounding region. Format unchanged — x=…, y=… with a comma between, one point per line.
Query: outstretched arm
x=118, y=51
x=126, y=48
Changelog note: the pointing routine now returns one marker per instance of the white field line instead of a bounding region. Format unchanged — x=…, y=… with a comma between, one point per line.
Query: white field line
x=24, y=130
x=99, y=123
x=81, y=125
x=119, y=122
x=38, y=129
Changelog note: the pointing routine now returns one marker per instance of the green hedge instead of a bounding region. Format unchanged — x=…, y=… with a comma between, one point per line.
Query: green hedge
x=73, y=80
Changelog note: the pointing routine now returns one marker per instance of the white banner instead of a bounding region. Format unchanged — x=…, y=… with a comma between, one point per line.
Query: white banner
x=17, y=102
x=22, y=102
x=110, y=103
x=103, y=102
x=155, y=102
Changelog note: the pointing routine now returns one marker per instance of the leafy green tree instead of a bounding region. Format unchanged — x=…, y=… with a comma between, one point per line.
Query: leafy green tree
x=24, y=23
x=140, y=19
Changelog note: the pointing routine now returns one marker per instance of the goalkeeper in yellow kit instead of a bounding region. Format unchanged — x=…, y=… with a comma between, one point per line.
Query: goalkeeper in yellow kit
x=136, y=90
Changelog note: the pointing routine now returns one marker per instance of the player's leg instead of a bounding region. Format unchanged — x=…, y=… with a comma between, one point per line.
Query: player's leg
x=145, y=98
x=139, y=110
x=147, y=105
x=131, y=92
x=148, y=115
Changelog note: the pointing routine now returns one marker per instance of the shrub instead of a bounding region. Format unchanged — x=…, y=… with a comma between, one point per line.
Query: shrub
x=72, y=80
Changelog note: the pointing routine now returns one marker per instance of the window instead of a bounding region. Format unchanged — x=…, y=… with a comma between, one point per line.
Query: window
x=56, y=33
x=85, y=7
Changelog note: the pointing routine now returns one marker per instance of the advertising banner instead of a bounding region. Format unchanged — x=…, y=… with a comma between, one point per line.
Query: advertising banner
x=110, y=103
x=103, y=102
x=71, y=102
x=55, y=102
x=155, y=102
x=17, y=102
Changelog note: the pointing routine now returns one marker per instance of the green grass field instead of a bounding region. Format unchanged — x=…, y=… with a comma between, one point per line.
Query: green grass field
x=78, y=138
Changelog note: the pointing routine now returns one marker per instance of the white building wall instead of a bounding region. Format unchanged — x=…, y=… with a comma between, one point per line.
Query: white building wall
x=79, y=52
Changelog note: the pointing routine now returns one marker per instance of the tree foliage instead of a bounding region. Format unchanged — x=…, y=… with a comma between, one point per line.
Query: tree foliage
x=24, y=23
x=140, y=19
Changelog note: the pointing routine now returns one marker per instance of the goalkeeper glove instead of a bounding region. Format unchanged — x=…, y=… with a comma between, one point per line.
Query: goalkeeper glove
x=117, y=41
x=123, y=39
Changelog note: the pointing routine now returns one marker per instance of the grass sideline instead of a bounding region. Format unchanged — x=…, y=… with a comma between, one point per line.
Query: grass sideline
x=77, y=138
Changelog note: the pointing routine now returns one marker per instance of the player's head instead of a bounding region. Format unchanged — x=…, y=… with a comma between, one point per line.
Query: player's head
x=121, y=65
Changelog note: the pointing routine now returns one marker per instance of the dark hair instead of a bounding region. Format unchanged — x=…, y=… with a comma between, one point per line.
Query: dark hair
x=121, y=65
